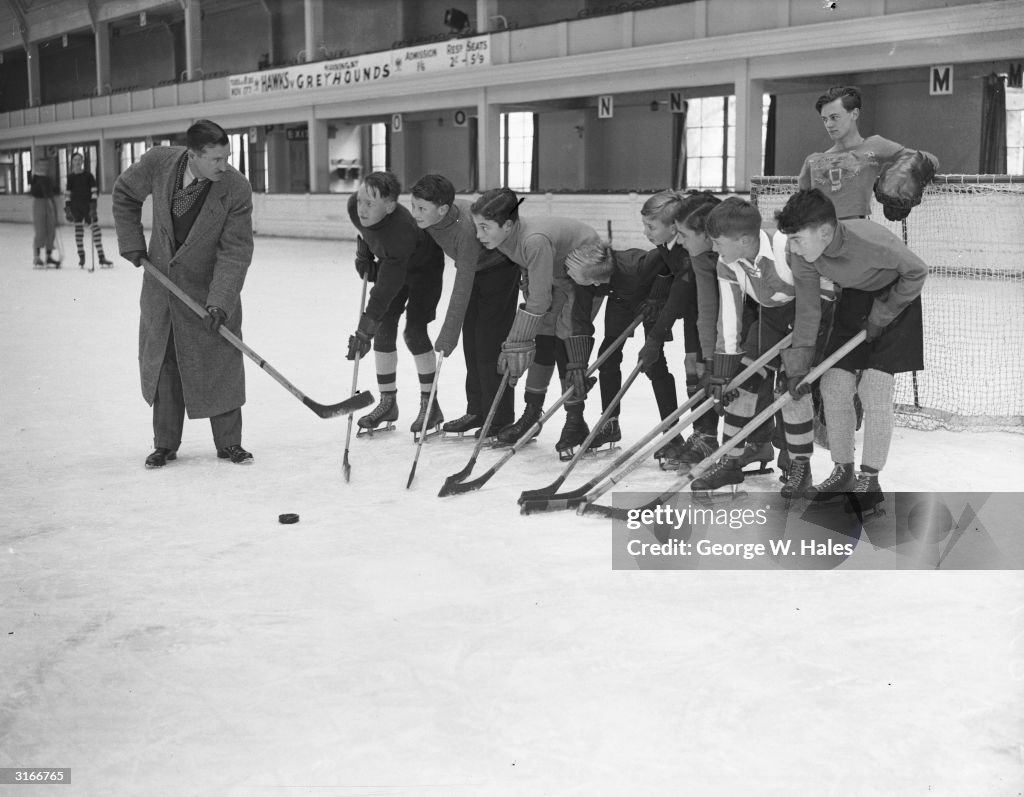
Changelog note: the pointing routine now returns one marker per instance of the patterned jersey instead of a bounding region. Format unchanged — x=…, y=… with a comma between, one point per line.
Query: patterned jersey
x=768, y=280
x=847, y=177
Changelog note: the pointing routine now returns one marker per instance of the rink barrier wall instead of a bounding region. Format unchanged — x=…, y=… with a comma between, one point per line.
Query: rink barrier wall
x=325, y=215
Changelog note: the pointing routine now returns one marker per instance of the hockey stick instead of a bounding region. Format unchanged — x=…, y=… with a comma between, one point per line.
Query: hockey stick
x=546, y=492
x=346, y=467
x=637, y=454
x=455, y=478
x=426, y=418
x=534, y=430
x=701, y=467
x=349, y=405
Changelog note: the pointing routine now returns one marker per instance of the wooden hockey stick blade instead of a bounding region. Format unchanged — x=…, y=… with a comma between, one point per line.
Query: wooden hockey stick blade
x=462, y=474
x=542, y=492
x=554, y=503
x=348, y=406
x=356, y=402
x=458, y=488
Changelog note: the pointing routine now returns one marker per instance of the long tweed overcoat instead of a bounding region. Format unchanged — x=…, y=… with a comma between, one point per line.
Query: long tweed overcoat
x=210, y=266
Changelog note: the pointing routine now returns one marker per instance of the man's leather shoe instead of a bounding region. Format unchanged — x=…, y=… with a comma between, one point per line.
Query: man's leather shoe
x=236, y=454
x=160, y=457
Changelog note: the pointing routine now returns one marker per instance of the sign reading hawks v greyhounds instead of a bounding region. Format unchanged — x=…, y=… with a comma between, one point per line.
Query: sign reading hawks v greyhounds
x=427, y=59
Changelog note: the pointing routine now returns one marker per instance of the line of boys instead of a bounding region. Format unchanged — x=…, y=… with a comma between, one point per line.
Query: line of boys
x=746, y=307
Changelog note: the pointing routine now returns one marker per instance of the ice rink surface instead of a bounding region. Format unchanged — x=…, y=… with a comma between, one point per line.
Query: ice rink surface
x=163, y=634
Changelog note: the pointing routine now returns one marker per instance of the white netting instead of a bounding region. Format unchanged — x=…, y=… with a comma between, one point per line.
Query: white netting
x=969, y=229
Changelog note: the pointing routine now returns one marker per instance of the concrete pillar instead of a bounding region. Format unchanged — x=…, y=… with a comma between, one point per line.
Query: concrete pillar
x=101, y=36
x=488, y=142
x=35, y=95
x=486, y=16
x=108, y=163
x=314, y=19
x=319, y=156
x=193, y=39
x=749, y=154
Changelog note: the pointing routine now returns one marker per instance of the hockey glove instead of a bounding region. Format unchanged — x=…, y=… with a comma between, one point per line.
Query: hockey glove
x=650, y=352
x=872, y=326
x=69, y=217
x=797, y=362
x=93, y=216
x=214, y=319
x=901, y=183
x=725, y=367
x=516, y=357
x=359, y=343
x=578, y=348
x=650, y=307
x=367, y=268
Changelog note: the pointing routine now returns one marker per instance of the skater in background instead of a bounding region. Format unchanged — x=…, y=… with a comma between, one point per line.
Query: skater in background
x=482, y=304
x=752, y=267
x=625, y=278
x=44, y=191
x=536, y=344
x=200, y=200
x=80, y=208
x=881, y=281
x=406, y=268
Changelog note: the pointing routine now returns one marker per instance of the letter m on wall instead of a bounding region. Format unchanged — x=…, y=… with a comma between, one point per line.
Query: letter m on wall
x=940, y=80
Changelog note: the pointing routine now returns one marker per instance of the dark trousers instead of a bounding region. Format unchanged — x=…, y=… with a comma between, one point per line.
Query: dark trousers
x=169, y=410
x=489, y=316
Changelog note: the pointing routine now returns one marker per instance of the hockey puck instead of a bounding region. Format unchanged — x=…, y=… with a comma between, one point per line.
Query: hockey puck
x=288, y=518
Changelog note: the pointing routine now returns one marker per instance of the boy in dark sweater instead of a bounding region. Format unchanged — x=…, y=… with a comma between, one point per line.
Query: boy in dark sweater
x=625, y=277
x=406, y=267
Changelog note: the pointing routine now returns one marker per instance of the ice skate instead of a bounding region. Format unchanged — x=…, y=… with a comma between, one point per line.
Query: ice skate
x=574, y=432
x=104, y=263
x=838, y=483
x=797, y=479
x=510, y=434
x=38, y=262
x=866, y=497
x=675, y=443
x=608, y=435
x=52, y=261
x=456, y=430
x=383, y=415
x=727, y=472
x=762, y=453
x=696, y=448
x=81, y=259
x=433, y=424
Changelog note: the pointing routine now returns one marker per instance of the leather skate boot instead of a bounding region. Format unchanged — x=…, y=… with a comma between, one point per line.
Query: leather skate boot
x=574, y=432
x=531, y=414
x=386, y=413
x=836, y=485
x=433, y=422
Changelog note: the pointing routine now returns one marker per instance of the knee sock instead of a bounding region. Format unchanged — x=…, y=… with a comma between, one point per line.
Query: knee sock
x=387, y=365
x=875, y=391
x=837, y=390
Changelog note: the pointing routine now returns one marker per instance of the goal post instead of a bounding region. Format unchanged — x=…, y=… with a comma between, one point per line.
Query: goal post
x=969, y=229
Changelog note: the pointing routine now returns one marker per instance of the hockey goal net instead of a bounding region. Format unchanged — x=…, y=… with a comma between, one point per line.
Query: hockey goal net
x=969, y=229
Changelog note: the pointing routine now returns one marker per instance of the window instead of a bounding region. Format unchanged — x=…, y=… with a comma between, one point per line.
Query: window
x=1014, y=131
x=14, y=168
x=378, y=147
x=711, y=141
x=517, y=136
x=130, y=150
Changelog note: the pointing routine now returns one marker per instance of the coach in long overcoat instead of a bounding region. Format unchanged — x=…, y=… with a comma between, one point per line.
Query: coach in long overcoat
x=210, y=266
